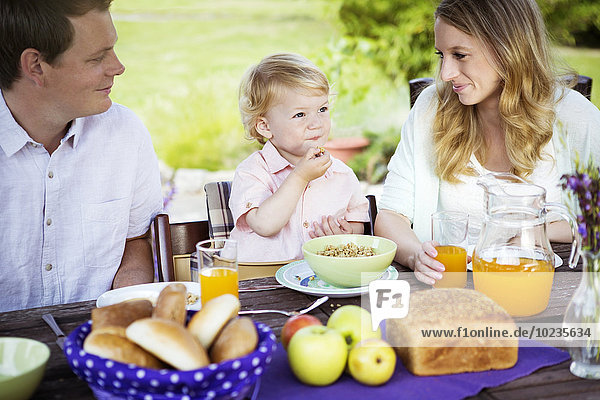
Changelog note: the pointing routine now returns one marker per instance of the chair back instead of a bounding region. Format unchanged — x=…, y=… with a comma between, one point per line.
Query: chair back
x=416, y=86
x=370, y=226
x=583, y=86
x=172, y=240
x=220, y=219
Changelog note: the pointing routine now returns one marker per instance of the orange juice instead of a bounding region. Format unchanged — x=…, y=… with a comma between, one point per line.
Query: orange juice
x=522, y=289
x=217, y=281
x=454, y=259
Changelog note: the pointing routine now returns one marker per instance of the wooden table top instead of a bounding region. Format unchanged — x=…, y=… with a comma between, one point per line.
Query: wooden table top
x=61, y=383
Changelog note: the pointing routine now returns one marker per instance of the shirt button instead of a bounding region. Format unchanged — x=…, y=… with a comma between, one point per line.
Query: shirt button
x=49, y=221
x=48, y=267
x=34, y=145
x=50, y=174
x=305, y=224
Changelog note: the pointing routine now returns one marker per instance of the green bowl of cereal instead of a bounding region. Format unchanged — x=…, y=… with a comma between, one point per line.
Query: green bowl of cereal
x=349, y=260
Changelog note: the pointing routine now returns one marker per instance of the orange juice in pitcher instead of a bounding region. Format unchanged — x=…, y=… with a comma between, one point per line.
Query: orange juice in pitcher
x=520, y=285
x=513, y=260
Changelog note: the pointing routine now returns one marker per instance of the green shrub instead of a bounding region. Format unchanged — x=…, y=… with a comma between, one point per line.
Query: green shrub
x=398, y=34
x=371, y=164
x=573, y=22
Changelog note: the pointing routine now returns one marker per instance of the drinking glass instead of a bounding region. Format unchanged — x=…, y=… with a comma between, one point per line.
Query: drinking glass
x=449, y=229
x=218, y=268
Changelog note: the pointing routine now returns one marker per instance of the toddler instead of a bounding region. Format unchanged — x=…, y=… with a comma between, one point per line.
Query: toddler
x=292, y=190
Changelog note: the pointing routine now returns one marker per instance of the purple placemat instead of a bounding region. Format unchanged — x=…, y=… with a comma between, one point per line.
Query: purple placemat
x=279, y=382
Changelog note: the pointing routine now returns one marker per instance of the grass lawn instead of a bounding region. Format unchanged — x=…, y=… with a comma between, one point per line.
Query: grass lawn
x=184, y=60
x=585, y=62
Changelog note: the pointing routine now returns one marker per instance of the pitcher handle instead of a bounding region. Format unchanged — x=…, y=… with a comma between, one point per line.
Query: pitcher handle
x=563, y=211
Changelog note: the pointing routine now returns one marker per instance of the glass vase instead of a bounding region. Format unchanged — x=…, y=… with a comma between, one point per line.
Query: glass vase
x=584, y=308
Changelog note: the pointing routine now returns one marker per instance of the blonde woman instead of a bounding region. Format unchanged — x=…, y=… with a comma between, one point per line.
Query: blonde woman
x=291, y=190
x=496, y=106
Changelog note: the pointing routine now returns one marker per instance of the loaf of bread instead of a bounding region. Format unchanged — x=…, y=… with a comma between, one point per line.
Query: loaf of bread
x=206, y=324
x=121, y=314
x=120, y=349
x=453, y=310
x=237, y=339
x=171, y=303
x=169, y=341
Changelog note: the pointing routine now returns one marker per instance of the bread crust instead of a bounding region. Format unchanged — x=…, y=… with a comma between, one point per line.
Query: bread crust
x=121, y=314
x=119, y=348
x=450, y=309
x=206, y=324
x=171, y=303
x=237, y=339
x=168, y=341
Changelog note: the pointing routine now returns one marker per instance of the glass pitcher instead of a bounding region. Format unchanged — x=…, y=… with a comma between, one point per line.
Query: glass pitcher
x=513, y=262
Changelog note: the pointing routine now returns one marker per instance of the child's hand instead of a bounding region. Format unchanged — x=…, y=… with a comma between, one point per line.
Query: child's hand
x=330, y=226
x=314, y=164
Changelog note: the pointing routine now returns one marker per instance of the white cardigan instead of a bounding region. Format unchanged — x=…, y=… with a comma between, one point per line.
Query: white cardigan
x=412, y=188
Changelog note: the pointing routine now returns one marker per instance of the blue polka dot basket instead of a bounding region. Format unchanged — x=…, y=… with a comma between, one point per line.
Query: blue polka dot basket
x=232, y=379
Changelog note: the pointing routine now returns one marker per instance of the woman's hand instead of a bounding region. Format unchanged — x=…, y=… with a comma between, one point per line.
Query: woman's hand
x=427, y=269
x=330, y=226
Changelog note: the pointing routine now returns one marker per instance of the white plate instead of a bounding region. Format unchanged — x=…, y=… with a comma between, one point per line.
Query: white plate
x=147, y=291
x=299, y=276
x=557, y=260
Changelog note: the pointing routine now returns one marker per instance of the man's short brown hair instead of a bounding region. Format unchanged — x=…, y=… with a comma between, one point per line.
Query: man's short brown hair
x=39, y=24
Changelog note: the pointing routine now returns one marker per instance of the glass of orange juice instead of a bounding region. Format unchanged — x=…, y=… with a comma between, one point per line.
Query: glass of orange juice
x=449, y=229
x=218, y=268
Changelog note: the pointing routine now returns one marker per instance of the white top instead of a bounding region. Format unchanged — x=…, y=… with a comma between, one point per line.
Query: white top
x=412, y=188
x=64, y=218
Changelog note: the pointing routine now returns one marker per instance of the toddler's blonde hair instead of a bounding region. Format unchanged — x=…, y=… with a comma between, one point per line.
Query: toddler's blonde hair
x=263, y=83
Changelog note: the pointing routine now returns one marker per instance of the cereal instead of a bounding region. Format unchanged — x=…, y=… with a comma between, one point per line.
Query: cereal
x=191, y=298
x=347, y=250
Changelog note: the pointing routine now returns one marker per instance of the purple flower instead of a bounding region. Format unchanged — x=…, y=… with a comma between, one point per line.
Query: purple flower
x=572, y=182
x=586, y=180
x=582, y=229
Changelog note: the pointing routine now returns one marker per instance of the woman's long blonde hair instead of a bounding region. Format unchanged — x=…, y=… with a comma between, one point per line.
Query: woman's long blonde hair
x=514, y=33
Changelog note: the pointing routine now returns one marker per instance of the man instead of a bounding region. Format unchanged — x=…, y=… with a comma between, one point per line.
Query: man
x=79, y=180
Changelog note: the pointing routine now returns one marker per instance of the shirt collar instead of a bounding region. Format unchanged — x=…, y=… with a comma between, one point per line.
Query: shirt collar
x=75, y=131
x=276, y=162
x=12, y=136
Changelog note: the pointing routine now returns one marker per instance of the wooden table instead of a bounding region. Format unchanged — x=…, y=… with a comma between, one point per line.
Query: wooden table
x=61, y=383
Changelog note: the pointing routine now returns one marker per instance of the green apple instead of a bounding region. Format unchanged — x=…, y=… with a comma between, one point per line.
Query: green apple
x=372, y=362
x=354, y=323
x=317, y=355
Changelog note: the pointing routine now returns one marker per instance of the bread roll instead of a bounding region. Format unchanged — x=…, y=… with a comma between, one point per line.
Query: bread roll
x=113, y=330
x=120, y=349
x=206, y=324
x=121, y=314
x=169, y=341
x=449, y=310
x=237, y=339
x=171, y=303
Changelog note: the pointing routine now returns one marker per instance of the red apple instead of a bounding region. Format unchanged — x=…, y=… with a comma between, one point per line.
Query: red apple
x=293, y=324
